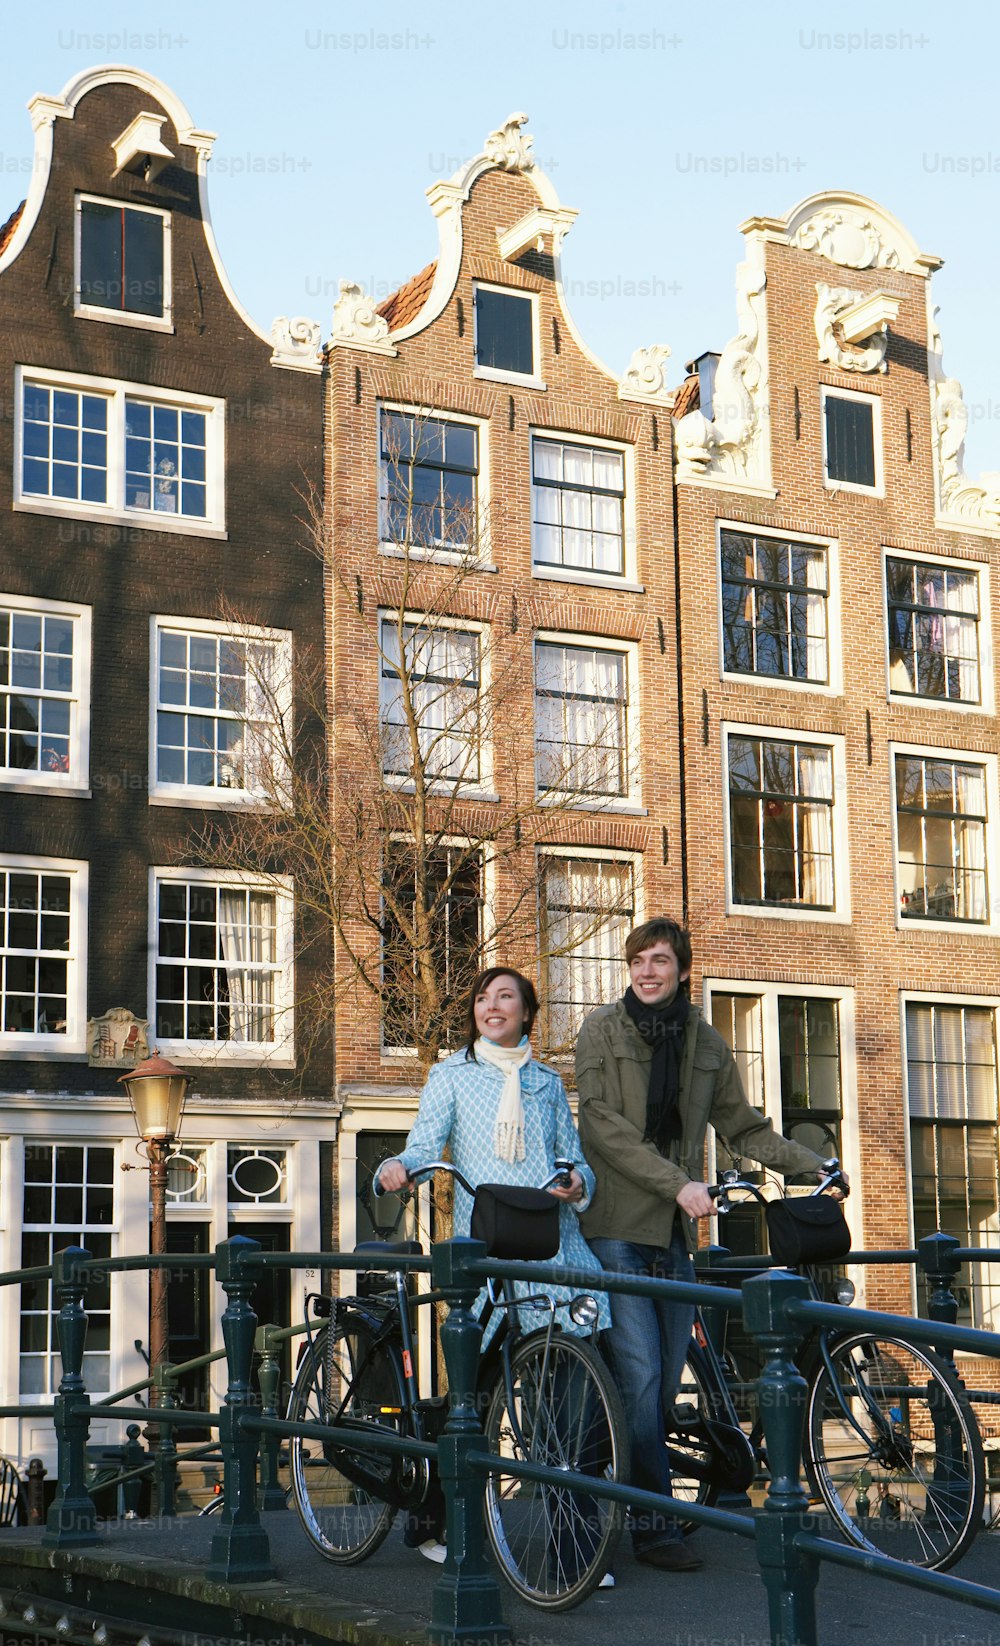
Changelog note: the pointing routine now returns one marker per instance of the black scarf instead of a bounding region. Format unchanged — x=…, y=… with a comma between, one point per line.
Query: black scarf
x=662, y=1027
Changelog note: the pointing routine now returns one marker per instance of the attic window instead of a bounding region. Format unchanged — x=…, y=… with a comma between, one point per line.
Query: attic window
x=505, y=332
x=122, y=262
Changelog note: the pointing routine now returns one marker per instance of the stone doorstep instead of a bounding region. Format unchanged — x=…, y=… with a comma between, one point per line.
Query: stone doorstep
x=126, y=1586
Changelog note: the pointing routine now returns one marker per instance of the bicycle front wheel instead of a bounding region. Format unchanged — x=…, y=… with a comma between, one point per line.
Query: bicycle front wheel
x=344, y=1377
x=553, y=1544
x=894, y=1450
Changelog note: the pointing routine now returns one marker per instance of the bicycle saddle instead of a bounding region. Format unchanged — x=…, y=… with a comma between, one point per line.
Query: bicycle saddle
x=383, y=1248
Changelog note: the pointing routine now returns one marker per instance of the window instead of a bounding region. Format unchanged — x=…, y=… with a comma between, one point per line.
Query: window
x=781, y=822
x=941, y=818
x=42, y=955
x=122, y=255
x=455, y=900
x=586, y=910
x=436, y=672
x=44, y=694
x=97, y=448
x=221, y=963
x=933, y=617
x=578, y=506
x=69, y=1194
x=582, y=719
x=852, y=434
x=951, y=1079
x=221, y=697
x=259, y=1176
x=505, y=332
x=774, y=607
x=428, y=482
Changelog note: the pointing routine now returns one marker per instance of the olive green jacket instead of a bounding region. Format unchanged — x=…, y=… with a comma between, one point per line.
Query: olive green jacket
x=637, y=1186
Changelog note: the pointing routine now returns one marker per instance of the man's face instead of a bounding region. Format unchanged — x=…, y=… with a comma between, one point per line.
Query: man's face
x=655, y=974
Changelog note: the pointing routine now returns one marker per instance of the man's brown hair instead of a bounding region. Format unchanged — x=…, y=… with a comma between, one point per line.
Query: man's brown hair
x=660, y=931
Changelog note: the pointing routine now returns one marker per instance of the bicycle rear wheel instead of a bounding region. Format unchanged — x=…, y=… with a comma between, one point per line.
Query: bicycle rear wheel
x=894, y=1450
x=344, y=1377
x=554, y=1544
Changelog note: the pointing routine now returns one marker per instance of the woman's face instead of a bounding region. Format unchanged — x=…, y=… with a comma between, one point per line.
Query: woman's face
x=500, y=1013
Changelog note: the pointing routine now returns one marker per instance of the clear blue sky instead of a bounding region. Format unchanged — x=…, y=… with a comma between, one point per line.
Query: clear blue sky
x=664, y=125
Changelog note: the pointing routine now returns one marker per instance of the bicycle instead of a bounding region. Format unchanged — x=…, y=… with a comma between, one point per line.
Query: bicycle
x=548, y=1398
x=891, y=1447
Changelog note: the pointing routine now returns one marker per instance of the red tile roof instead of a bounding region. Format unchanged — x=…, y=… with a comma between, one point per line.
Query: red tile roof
x=7, y=232
x=688, y=397
x=405, y=304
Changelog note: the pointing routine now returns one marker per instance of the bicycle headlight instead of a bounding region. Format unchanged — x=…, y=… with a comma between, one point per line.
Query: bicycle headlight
x=583, y=1311
x=844, y=1291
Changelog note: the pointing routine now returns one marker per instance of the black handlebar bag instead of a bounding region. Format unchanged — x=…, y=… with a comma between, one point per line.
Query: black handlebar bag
x=807, y=1229
x=522, y=1224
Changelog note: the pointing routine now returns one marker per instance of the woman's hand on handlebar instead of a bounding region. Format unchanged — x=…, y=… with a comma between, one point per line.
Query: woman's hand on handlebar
x=840, y=1189
x=392, y=1176
x=570, y=1191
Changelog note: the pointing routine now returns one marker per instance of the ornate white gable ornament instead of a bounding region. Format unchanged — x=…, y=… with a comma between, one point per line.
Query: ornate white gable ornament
x=848, y=237
x=296, y=343
x=852, y=329
x=357, y=323
x=734, y=446
x=963, y=504
x=509, y=147
x=645, y=378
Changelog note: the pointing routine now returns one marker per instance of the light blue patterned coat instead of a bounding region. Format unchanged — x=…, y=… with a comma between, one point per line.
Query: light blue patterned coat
x=458, y=1107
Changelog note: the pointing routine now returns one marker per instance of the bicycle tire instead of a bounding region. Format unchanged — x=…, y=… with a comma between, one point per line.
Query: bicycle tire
x=692, y=1402
x=344, y=1378
x=907, y=1476
x=567, y=1414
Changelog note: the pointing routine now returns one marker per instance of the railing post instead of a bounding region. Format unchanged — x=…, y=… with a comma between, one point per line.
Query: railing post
x=789, y=1575
x=466, y=1604
x=133, y=1457
x=71, y=1520
x=240, y=1549
x=936, y=1256
x=272, y=1494
x=165, y=1472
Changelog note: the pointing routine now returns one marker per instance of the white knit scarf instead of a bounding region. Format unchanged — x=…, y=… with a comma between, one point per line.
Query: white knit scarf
x=508, y=1129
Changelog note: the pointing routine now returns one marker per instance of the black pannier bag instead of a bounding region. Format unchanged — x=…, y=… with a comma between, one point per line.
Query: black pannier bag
x=516, y=1223
x=807, y=1229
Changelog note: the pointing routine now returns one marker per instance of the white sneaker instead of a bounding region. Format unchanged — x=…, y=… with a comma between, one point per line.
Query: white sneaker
x=432, y=1550
x=607, y=1581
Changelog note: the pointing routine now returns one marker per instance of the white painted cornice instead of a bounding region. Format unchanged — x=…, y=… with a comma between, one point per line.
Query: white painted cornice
x=849, y=230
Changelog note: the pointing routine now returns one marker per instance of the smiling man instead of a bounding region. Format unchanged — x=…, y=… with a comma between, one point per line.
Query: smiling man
x=652, y=1075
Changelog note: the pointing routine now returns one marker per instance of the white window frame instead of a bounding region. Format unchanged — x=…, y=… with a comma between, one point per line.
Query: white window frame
x=72, y=1044
x=475, y=559
x=206, y=796
x=494, y=374
x=834, y=685
x=768, y=995
x=828, y=391
x=77, y=779
x=984, y=633
x=115, y=391
x=840, y=914
x=627, y=579
x=596, y=855
x=122, y=317
x=407, y=1055
x=927, y=997
x=279, y=1053
x=968, y=757
x=481, y=788
x=583, y=799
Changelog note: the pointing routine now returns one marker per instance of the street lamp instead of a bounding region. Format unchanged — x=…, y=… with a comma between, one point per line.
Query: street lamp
x=156, y=1091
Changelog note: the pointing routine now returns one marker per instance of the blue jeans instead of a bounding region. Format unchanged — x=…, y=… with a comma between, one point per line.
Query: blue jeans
x=647, y=1347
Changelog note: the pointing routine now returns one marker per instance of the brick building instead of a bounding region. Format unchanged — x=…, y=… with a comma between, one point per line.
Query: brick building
x=150, y=589
x=838, y=571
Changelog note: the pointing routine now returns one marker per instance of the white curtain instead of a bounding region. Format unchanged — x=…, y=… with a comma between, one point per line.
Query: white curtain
x=816, y=664
x=246, y=931
x=961, y=635
x=970, y=784
x=816, y=826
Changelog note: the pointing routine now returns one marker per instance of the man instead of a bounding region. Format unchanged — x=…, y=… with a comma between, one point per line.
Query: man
x=651, y=1076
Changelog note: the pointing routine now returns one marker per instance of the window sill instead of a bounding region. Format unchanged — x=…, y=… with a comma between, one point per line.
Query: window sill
x=775, y=911
x=913, y=700
x=117, y=518
x=878, y=490
x=435, y=786
x=576, y=574
x=782, y=683
x=40, y=1049
x=213, y=800
x=946, y=923
x=570, y=800
x=116, y=317
x=225, y=1054
x=444, y=557
x=47, y=787
x=524, y=380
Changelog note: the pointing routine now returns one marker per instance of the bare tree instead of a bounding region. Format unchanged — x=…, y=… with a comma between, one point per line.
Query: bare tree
x=410, y=819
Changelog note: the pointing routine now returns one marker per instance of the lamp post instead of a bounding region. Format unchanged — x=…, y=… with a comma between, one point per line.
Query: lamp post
x=156, y=1091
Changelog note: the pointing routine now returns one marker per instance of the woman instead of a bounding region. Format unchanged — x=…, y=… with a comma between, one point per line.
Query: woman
x=506, y=1119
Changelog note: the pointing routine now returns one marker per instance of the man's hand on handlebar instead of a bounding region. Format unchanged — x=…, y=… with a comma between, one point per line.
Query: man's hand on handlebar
x=695, y=1199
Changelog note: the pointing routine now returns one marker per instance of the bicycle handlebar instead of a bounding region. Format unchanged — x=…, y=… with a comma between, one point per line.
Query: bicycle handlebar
x=560, y=1176
x=731, y=1180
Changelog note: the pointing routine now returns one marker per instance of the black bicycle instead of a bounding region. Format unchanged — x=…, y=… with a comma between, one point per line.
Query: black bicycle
x=547, y=1396
x=891, y=1448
